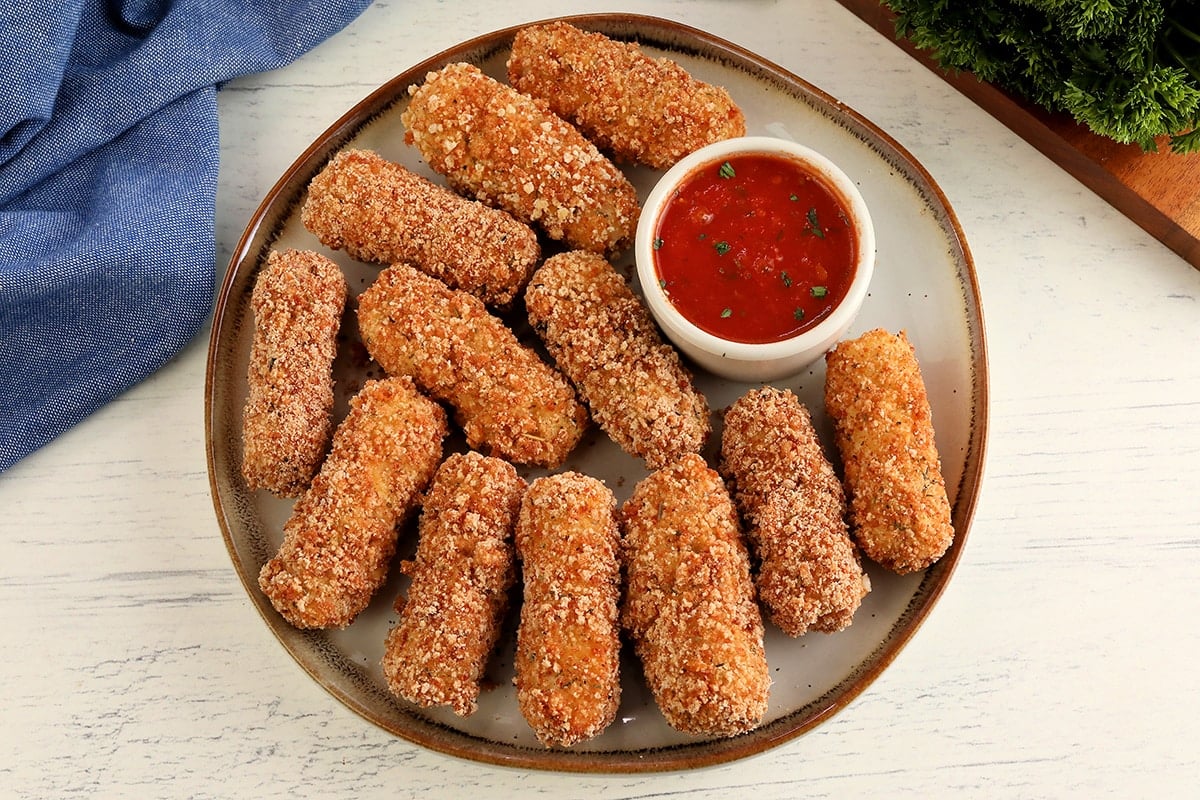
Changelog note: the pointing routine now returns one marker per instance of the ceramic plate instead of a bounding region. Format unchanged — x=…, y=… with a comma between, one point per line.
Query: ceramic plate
x=924, y=283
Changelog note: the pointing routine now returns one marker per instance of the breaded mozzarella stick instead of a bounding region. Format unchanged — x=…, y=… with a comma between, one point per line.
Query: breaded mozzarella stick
x=297, y=301
x=568, y=643
x=689, y=602
x=810, y=575
x=342, y=533
x=645, y=110
x=503, y=148
x=604, y=340
x=508, y=401
x=874, y=393
x=451, y=616
x=381, y=212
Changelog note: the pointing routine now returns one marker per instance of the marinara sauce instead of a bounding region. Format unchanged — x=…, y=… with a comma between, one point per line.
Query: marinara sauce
x=755, y=248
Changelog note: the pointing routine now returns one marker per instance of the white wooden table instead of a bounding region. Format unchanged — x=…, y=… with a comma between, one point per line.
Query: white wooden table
x=1060, y=661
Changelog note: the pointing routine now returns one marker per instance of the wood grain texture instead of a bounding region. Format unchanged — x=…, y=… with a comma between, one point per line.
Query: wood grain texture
x=1158, y=191
x=1059, y=663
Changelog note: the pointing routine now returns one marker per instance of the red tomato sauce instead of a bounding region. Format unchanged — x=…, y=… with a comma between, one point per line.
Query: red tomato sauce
x=755, y=249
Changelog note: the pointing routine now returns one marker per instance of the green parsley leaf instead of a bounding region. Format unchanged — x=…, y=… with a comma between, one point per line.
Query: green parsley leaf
x=787, y=279
x=1125, y=70
x=814, y=225
x=818, y=291
x=798, y=314
x=726, y=170
x=722, y=248
x=727, y=313
x=657, y=243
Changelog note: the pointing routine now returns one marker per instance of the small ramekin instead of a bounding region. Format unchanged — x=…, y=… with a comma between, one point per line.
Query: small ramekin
x=739, y=361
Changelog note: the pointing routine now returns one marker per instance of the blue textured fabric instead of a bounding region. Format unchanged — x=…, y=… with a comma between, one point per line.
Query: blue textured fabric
x=108, y=177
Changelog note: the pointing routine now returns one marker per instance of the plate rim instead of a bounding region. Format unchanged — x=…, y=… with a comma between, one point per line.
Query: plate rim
x=686, y=755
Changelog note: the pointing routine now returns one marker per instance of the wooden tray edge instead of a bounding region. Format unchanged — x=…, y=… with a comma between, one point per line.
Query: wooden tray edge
x=1151, y=189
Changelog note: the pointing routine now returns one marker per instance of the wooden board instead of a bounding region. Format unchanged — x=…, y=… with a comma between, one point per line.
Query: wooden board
x=1158, y=191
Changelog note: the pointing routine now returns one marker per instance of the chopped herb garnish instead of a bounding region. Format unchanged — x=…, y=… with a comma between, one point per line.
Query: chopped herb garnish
x=798, y=314
x=726, y=170
x=722, y=248
x=814, y=226
x=818, y=291
x=793, y=198
x=787, y=279
x=662, y=284
x=657, y=243
x=727, y=313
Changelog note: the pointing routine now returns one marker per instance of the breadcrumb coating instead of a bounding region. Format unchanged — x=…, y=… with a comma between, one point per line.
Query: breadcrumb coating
x=604, y=340
x=810, y=575
x=381, y=212
x=451, y=617
x=508, y=401
x=297, y=301
x=508, y=150
x=568, y=643
x=645, y=110
x=883, y=426
x=690, y=606
x=341, y=535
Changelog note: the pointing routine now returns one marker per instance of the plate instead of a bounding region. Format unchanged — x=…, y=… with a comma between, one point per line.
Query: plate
x=924, y=283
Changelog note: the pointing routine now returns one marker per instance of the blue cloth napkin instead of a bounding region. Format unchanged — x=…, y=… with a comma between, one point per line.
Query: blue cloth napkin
x=108, y=178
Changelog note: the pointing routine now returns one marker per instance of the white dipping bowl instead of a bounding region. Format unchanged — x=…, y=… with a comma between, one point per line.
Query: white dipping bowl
x=740, y=361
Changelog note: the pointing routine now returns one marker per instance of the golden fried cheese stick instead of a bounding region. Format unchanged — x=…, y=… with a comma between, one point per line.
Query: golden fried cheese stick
x=810, y=575
x=297, y=300
x=568, y=643
x=874, y=393
x=604, y=340
x=689, y=601
x=379, y=211
x=508, y=401
x=645, y=110
x=451, y=616
x=342, y=533
x=506, y=149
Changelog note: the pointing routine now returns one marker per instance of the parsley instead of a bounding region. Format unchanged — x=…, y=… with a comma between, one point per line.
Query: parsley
x=814, y=225
x=721, y=247
x=787, y=279
x=726, y=170
x=1130, y=71
x=818, y=291
x=658, y=243
x=727, y=313
x=798, y=314
x=793, y=197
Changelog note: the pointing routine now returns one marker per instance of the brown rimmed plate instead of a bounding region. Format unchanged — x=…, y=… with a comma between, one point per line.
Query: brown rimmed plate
x=924, y=283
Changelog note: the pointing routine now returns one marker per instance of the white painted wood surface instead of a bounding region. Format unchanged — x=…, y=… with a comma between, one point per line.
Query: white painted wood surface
x=1058, y=664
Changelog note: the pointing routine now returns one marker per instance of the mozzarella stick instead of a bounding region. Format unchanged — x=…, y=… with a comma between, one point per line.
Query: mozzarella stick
x=644, y=110
x=883, y=428
x=810, y=576
x=508, y=401
x=604, y=340
x=451, y=616
x=381, y=212
x=568, y=643
x=297, y=301
x=341, y=535
x=689, y=604
x=503, y=148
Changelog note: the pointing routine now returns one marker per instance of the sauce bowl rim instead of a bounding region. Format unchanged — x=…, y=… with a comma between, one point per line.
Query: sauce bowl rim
x=677, y=326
